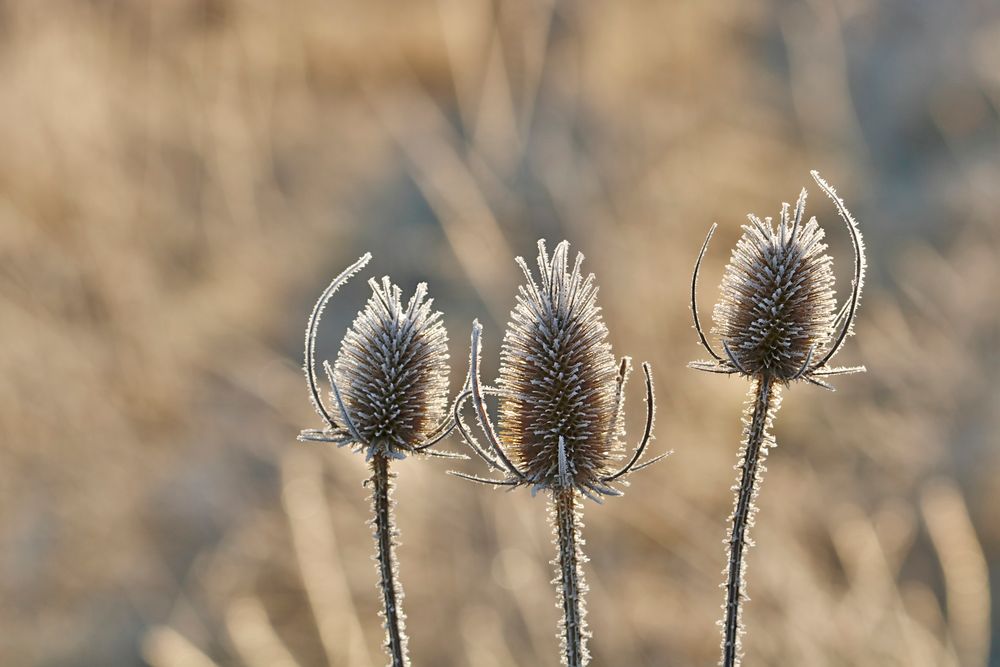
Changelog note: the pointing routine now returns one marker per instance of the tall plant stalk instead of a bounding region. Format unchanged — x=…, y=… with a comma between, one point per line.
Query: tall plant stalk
x=388, y=569
x=561, y=416
x=389, y=401
x=569, y=577
x=765, y=399
x=778, y=322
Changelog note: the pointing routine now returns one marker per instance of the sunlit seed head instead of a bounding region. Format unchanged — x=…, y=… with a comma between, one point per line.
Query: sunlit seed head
x=777, y=305
x=558, y=375
x=392, y=370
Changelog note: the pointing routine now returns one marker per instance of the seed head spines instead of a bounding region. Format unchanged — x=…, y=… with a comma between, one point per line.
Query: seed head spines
x=560, y=389
x=559, y=376
x=777, y=313
x=392, y=370
x=389, y=381
x=777, y=302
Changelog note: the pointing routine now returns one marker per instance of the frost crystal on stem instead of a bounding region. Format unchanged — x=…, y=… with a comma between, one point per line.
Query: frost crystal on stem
x=388, y=569
x=567, y=522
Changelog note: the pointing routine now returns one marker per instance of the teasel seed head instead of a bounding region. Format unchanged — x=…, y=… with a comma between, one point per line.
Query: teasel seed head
x=777, y=320
x=777, y=312
x=777, y=303
x=559, y=376
x=392, y=370
x=561, y=421
x=560, y=415
x=390, y=384
x=390, y=379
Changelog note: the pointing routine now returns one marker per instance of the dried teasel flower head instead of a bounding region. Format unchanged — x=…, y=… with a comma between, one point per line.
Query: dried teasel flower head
x=390, y=379
x=777, y=302
x=560, y=390
x=777, y=313
x=558, y=376
x=777, y=322
x=392, y=370
x=389, y=385
x=561, y=423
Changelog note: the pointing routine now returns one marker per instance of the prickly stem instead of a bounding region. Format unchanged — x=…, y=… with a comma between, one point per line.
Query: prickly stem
x=385, y=539
x=569, y=580
x=757, y=440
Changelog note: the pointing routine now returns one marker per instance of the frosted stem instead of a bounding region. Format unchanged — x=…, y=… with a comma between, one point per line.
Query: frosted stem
x=569, y=580
x=385, y=539
x=755, y=445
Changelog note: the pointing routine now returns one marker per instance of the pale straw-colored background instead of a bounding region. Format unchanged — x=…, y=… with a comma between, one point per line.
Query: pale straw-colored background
x=180, y=178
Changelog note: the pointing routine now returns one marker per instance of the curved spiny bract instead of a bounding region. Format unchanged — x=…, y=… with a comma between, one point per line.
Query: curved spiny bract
x=777, y=322
x=312, y=328
x=389, y=388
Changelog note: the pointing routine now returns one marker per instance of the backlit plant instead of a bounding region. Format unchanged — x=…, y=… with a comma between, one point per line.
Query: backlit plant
x=389, y=385
x=777, y=323
x=561, y=416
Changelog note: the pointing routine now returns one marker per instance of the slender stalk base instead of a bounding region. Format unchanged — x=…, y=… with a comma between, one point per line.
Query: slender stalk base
x=756, y=442
x=385, y=539
x=569, y=580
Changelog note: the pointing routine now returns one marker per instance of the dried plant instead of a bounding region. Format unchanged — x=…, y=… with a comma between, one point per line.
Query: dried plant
x=776, y=314
x=389, y=384
x=561, y=422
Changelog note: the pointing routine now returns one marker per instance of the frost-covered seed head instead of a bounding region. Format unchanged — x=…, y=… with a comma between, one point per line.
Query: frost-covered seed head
x=392, y=370
x=777, y=305
x=558, y=377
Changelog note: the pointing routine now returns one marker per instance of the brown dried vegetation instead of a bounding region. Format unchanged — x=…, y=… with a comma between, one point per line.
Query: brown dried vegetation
x=178, y=177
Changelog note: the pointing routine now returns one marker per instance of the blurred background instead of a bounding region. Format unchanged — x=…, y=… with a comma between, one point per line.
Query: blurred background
x=179, y=180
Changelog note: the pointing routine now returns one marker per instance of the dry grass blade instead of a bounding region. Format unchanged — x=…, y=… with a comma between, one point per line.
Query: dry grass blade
x=165, y=647
x=315, y=547
x=450, y=187
x=255, y=637
x=966, y=573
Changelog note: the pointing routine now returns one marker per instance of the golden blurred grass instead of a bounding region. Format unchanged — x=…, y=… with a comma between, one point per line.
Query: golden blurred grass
x=180, y=178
